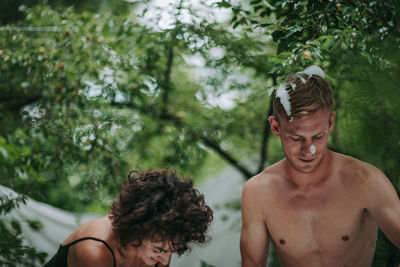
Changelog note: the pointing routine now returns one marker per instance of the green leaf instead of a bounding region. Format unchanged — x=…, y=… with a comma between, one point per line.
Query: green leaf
x=265, y=25
x=35, y=224
x=283, y=46
x=3, y=152
x=16, y=226
x=224, y=4
x=254, y=2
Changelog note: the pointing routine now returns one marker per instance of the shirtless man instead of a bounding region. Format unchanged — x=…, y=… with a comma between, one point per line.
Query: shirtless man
x=317, y=207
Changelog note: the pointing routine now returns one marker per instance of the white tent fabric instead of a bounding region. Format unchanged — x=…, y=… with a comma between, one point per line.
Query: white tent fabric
x=57, y=224
x=221, y=251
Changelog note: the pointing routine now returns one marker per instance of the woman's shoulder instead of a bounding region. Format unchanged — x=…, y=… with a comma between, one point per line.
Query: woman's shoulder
x=90, y=244
x=90, y=252
x=95, y=228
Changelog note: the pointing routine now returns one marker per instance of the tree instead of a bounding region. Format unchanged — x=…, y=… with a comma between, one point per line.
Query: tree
x=87, y=95
x=85, y=98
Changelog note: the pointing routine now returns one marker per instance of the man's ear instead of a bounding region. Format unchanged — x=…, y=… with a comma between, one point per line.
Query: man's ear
x=332, y=118
x=274, y=124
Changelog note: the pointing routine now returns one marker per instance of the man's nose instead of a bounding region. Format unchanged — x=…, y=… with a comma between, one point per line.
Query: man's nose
x=305, y=146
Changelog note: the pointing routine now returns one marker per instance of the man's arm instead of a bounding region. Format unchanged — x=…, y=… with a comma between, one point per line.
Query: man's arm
x=254, y=236
x=384, y=204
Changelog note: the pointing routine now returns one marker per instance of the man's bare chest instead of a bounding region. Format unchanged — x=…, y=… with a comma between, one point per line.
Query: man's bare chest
x=312, y=224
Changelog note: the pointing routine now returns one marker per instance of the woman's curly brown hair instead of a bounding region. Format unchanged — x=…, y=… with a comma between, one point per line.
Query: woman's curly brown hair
x=159, y=206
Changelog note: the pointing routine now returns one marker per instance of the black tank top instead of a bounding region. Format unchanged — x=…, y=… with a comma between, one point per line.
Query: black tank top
x=60, y=259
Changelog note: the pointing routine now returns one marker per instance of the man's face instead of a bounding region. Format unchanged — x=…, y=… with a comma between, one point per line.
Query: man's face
x=304, y=140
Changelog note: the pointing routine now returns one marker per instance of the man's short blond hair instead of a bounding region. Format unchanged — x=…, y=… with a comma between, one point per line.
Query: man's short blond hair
x=307, y=94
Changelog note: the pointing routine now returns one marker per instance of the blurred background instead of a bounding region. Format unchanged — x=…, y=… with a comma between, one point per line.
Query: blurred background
x=92, y=89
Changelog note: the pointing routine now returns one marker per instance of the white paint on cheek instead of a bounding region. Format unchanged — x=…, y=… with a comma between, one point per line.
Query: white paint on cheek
x=313, y=149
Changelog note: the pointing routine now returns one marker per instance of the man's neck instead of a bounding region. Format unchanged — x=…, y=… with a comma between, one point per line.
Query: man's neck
x=312, y=179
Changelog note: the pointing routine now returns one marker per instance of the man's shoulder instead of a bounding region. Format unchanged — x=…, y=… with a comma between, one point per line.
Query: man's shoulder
x=352, y=163
x=266, y=179
x=356, y=168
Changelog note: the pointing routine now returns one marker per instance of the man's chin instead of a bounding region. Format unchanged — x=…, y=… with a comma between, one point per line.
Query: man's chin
x=306, y=166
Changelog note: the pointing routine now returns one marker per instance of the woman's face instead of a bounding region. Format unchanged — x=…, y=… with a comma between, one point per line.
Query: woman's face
x=153, y=252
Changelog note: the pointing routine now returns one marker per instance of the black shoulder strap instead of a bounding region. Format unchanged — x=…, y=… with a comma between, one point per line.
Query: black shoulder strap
x=95, y=239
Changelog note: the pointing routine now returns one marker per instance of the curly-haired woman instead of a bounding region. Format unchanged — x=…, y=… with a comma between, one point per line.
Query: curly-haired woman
x=156, y=214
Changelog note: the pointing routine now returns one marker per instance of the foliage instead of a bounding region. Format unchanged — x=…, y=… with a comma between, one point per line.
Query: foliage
x=13, y=251
x=85, y=98
x=12, y=13
x=87, y=95
x=98, y=95
x=310, y=30
x=205, y=264
x=40, y=80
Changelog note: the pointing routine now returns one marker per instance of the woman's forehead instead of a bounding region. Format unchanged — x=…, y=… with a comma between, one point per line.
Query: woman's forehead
x=165, y=245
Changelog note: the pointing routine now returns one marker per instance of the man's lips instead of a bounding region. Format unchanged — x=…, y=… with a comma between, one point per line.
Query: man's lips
x=307, y=160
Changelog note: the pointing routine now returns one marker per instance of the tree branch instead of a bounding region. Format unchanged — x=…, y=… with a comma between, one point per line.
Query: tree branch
x=266, y=134
x=166, y=116
x=215, y=146
x=15, y=102
x=167, y=79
